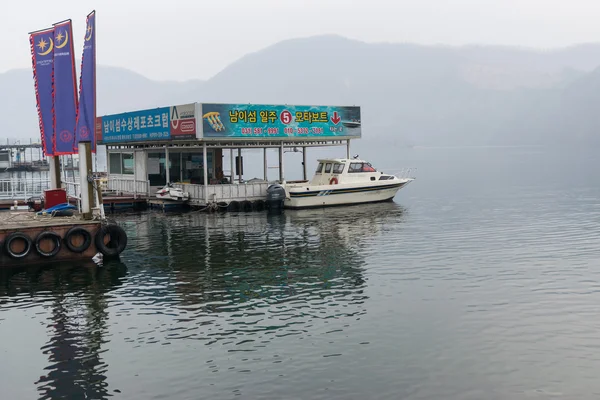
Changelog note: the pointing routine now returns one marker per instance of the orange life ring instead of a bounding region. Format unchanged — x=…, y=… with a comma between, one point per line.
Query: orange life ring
x=333, y=181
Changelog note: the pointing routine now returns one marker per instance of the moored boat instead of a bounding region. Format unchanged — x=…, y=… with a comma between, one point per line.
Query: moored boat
x=341, y=181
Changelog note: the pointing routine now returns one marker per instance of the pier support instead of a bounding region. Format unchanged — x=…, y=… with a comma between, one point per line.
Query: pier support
x=205, y=170
x=232, y=170
x=348, y=148
x=304, y=163
x=281, y=175
x=265, y=167
x=167, y=165
x=54, y=172
x=239, y=165
x=85, y=171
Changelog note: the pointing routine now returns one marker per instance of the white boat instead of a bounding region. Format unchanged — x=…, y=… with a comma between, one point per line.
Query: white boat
x=341, y=181
x=168, y=192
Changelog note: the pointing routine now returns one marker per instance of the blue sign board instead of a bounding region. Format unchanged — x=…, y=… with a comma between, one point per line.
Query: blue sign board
x=144, y=125
x=279, y=121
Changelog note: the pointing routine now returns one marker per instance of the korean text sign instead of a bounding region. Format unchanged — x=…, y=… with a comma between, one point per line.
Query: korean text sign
x=144, y=125
x=277, y=121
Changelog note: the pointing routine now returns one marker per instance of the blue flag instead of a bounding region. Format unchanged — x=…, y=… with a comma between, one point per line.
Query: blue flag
x=42, y=54
x=65, y=88
x=86, y=112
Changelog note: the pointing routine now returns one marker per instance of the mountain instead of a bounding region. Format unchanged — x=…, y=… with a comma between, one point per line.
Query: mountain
x=409, y=94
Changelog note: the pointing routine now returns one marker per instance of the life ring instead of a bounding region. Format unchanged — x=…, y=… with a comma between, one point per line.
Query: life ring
x=48, y=235
x=117, y=242
x=78, y=231
x=333, y=181
x=17, y=236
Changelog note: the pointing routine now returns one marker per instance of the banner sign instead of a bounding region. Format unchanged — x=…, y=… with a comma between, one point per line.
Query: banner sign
x=136, y=126
x=42, y=57
x=279, y=121
x=183, y=121
x=86, y=112
x=65, y=89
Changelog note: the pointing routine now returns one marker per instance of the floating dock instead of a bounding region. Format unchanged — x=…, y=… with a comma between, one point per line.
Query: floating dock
x=28, y=238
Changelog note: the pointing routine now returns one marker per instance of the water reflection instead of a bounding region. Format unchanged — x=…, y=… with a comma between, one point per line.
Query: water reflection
x=233, y=283
x=76, y=295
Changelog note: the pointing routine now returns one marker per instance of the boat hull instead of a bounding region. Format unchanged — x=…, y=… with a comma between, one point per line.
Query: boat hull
x=337, y=195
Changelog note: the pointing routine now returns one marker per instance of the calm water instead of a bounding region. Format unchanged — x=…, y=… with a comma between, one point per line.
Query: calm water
x=481, y=281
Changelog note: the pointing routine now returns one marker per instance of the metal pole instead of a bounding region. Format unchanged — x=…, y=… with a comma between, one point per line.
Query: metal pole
x=232, y=173
x=239, y=165
x=167, y=164
x=348, y=148
x=265, y=163
x=281, y=163
x=304, y=163
x=205, y=168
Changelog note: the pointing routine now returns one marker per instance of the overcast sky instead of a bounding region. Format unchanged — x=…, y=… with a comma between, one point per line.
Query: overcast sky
x=183, y=39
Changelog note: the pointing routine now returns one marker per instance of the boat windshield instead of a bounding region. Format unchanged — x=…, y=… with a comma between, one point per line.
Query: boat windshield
x=319, y=168
x=361, y=167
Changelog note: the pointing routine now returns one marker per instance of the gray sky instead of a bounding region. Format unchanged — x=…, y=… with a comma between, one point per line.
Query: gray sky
x=183, y=39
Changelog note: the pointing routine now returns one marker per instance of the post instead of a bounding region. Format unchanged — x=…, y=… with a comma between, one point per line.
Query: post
x=232, y=169
x=239, y=164
x=265, y=167
x=54, y=173
x=304, y=162
x=205, y=168
x=85, y=171
x=281, y=162
x=348, y=148
x=168, y=176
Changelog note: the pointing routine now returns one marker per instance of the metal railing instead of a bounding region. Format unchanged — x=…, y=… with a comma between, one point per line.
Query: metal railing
x=225, y=193
x=127, y=186
x=22, y=189
x=73, y=192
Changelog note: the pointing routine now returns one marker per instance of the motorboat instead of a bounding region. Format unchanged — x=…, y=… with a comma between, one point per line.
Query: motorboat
x=168, y=192
x=338, y=181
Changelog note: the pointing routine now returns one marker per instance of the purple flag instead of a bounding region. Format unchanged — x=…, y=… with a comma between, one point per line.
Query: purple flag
x=42, y=57
x=86, y=112
x=65, y=88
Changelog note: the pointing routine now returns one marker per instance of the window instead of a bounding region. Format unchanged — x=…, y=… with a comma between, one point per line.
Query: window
x=319, y=168
x=127, y=164
x=355, y=167
x=368, y=168
x=338, y=168
x=327, y=168
x=361, y=167
x=115, y=163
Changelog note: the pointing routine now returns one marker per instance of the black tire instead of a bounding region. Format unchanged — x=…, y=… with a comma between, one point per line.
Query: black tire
x=16, y=236
x=76, y=230
x=117, y=243
x=48, y=235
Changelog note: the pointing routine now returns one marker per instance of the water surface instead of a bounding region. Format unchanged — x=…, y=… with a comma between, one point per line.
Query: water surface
x=480, y=281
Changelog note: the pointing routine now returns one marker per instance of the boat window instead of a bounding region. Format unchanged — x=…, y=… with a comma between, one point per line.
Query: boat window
x=368, y=168
x=319, y=168
x=338, y=168
x=327, y=168
x=355, y=167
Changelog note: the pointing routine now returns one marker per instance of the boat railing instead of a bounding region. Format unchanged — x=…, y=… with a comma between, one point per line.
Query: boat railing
x=404, y=173
x=22, y=188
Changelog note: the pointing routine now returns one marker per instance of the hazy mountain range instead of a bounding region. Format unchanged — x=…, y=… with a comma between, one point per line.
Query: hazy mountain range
x=410, y=94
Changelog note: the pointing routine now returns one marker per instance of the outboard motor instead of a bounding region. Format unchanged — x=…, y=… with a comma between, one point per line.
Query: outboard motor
x=275, y=197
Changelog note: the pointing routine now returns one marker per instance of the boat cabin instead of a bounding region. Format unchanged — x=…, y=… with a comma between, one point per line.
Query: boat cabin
x=344, y=170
